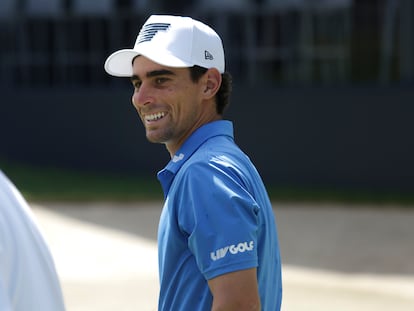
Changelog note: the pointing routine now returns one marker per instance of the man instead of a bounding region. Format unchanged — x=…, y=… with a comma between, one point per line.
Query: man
x=217, y=238
x=28, y=279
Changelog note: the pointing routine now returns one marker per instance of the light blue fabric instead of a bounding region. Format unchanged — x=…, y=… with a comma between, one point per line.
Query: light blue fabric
x=28, y=277
x=216, y=219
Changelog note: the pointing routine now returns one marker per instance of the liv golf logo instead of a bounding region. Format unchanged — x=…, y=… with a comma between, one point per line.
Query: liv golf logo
x=150, y=30
x=233, y=249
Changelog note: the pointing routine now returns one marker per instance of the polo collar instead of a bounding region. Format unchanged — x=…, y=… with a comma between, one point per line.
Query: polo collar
x=199, y=137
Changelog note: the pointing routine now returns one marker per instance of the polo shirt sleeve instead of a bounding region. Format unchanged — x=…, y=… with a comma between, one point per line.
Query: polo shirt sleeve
x=220, y=217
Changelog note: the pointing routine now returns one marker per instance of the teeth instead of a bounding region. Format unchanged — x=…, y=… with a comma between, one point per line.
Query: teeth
x=155, y=116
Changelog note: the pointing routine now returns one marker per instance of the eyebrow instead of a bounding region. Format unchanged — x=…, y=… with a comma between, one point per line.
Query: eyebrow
x=154, y=73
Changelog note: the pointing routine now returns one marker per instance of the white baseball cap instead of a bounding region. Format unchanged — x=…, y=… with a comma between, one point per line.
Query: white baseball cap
x=171, y=41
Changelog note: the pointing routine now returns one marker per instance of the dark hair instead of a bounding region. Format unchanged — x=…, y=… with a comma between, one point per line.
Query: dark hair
x=223, y=94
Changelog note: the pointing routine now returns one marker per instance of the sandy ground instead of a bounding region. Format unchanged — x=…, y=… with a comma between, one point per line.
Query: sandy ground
x=335, y=258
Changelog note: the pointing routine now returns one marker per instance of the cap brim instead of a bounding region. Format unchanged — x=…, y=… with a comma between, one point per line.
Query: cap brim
x=119, y=63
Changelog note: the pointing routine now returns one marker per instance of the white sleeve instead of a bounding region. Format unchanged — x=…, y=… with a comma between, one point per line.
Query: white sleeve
x=4, y=299
x=25, y=259
x=5, y=304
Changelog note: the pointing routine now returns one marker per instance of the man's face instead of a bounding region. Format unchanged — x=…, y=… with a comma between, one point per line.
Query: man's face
x=169, y=103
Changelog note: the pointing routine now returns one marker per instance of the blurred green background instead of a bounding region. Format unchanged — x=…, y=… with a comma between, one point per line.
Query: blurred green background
x=54, y=184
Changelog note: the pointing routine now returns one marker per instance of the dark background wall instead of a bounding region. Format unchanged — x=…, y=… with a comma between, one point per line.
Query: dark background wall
x=323, y=91
x=360, y=137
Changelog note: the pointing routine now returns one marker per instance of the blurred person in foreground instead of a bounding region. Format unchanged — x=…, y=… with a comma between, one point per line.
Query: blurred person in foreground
x=28, y=278
x=217, y=239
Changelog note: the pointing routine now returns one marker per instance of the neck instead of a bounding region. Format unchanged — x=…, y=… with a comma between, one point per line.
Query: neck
x=174, y=147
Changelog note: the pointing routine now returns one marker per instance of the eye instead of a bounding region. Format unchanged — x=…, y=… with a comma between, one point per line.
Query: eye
x=160, y=80
x=136, y=84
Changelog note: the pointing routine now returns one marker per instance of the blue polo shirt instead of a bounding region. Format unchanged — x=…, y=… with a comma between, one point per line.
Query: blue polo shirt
x=217, y=218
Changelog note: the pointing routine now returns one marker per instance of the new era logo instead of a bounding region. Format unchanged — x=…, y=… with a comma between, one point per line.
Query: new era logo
x=150, y=30
x=207, y=55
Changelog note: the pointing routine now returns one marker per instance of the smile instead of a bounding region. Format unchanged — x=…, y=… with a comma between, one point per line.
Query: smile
x=154, y=116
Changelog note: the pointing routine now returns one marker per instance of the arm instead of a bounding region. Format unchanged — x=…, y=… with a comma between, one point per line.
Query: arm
x=235, y=291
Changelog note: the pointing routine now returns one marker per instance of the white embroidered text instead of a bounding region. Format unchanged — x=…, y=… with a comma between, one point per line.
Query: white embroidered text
x=233, y=249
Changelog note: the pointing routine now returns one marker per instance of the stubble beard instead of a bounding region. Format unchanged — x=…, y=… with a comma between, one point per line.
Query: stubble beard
x=162, y=137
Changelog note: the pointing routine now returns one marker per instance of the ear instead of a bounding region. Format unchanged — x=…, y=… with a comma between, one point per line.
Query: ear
x=212, y=83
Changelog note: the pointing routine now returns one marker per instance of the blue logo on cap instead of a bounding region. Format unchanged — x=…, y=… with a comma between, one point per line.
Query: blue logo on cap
x=148, y=31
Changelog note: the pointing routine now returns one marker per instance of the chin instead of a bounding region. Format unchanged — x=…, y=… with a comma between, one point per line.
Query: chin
x=155, y=139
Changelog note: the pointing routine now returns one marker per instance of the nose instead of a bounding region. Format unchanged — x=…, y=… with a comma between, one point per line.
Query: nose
x=141, y=97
